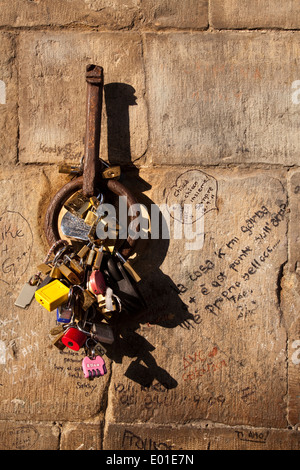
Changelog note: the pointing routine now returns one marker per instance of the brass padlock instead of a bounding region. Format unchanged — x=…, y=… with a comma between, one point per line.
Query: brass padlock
x=83, y=251
x=90, y=257
x=94, y=201
x=44, y=268
x=75, y=266
x=131, y=271
x=112, y=172
x=92, y=233
x=57, y=330
x=78, y=311
x=69, y=169
x=129, y=268
x=88, y=300
x=106, y=314
x=57, y=342
x=70, y=275
x=78, y=204
x=55, y=273
x=101, y=301
x=91, y=218
x=98, y=259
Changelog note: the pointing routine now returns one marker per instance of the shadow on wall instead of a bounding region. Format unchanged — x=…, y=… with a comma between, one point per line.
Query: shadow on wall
x=118, y=98
x=163, y=303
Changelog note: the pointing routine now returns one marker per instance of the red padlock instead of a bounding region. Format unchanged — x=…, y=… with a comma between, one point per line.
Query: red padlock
x=74, y=339
x=97, y=283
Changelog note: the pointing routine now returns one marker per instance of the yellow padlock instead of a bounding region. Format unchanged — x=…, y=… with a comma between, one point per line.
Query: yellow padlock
x=52, y=295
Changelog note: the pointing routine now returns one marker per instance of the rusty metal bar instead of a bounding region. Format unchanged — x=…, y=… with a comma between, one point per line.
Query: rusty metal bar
x=92, y=165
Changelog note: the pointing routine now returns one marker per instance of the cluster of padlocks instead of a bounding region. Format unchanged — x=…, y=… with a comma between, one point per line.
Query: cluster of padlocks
x=86, y=284
x=84, y=279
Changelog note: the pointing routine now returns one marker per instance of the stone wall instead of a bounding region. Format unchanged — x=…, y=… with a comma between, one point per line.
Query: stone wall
x=202, y=104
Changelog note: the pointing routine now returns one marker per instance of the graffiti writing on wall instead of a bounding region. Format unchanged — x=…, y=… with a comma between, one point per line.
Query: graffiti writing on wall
x=243, y=259
x=16, y=241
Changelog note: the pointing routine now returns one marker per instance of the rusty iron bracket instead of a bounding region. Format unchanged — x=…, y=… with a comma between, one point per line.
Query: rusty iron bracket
x=91, y=178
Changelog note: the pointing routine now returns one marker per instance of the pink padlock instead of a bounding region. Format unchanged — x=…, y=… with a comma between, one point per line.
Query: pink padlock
x=93, y=367
x=97, y=283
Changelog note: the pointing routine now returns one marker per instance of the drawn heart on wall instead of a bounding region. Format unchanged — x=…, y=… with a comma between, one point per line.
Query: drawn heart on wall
x=193, y=187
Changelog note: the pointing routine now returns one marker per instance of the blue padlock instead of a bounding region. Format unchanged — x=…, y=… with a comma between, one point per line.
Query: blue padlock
x=65, y=311
x=63, y=315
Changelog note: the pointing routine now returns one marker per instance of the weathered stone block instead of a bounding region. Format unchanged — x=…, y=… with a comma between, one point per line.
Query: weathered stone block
x=200, y=437
x=109, y=13
x=255, y=14
x=53, y=95
x=211, y=344
x=25, y=436
x=174, y=14
x=81, y=436
x=219, y=98
x=8, y=100
x=37, y=380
